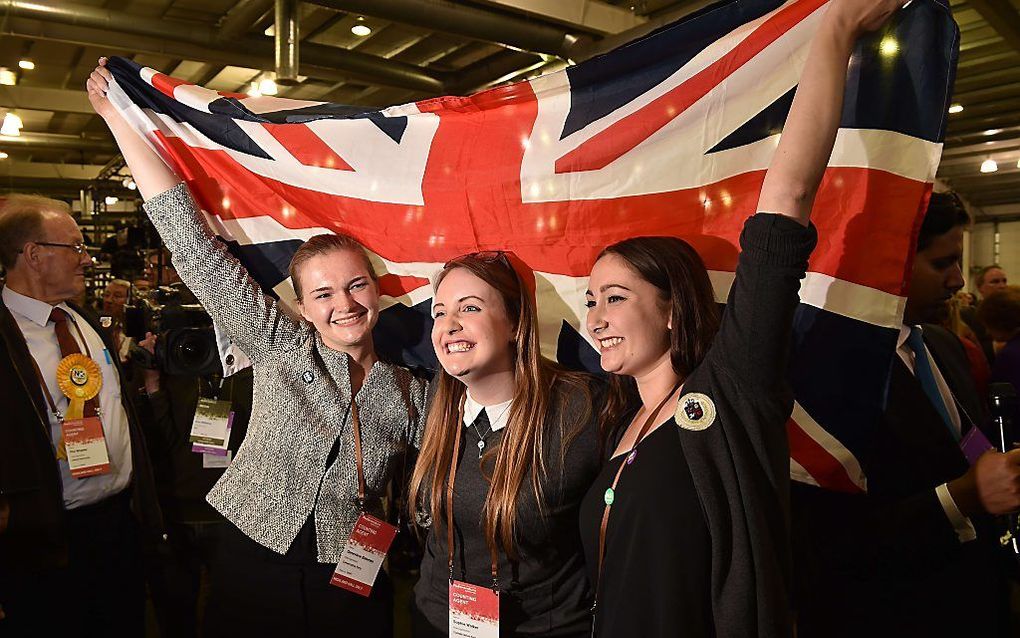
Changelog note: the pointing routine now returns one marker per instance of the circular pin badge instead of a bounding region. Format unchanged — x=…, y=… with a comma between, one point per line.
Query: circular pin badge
x=609, y=496
x=695, y=411
x=308, y=377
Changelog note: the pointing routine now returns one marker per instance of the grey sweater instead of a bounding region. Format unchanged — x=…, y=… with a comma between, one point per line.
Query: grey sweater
x=300, y=405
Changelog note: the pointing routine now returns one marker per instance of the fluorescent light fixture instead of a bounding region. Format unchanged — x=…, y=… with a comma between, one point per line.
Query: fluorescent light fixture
x=111, y=200
x=3, y=155
x=993, y=131
x=955, y=108
x=7, y=77
x=989, y=166
x=26, y=64
x=267, y=87
x=11, y=126
x=889, y=46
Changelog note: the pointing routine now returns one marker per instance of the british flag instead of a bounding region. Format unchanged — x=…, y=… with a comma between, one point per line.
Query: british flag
x=668, y=135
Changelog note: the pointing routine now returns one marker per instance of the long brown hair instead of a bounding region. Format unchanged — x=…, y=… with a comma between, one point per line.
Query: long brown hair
x=522, y=448
x=677, y=271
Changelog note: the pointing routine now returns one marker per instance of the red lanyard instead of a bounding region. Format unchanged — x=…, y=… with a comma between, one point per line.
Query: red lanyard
x=451, y=478
x=610, y=495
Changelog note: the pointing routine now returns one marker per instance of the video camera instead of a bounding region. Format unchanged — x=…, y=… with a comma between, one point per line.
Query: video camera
x=186, y=343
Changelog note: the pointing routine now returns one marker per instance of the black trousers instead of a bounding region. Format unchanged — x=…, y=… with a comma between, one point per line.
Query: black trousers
x=257, y=592
x=100, y=593
x=178, y=577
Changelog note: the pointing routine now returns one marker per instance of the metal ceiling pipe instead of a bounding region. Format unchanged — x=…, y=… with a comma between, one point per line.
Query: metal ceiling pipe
x=242, y=17
x=285, y=38
x=58, y=141
x=243, y=51
x=470, y=22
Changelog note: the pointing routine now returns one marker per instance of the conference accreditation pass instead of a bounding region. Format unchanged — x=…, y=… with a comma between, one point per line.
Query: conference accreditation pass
x=363, y=555
x=210, y=431
x=474, y=611
x=86, y=447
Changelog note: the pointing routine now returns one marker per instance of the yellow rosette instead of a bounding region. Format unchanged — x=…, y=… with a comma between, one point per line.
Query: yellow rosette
x=80, y=379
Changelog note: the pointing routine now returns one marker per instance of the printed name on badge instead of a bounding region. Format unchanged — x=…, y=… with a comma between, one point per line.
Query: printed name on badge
x=86, y=447
x=474, y=611
x=363, y=555
x=210, y=431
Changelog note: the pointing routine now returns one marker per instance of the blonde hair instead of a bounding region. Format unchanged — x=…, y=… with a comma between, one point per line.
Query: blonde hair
x=320, y=245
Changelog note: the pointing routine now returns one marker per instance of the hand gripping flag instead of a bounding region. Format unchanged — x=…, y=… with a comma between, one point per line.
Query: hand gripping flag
x=669, y=135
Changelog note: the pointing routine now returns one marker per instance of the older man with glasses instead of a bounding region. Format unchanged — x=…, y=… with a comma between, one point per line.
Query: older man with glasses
x=76, y=494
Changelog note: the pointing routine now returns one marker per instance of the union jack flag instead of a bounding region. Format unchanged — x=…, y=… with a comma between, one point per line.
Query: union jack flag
x=669, y=135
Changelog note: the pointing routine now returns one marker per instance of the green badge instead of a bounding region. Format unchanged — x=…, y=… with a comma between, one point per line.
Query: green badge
x=610, y=496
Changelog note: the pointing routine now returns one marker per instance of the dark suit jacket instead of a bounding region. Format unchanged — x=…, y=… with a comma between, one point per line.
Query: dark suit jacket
x=29, y=475
x=889, y=563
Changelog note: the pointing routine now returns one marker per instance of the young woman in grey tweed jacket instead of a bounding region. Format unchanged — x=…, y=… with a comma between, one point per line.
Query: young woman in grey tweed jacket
x=290, y=495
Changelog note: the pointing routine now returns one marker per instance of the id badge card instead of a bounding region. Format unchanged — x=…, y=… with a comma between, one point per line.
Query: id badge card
x=474, y=611
x=85, y=444
x=210, y=431
x=363, y=555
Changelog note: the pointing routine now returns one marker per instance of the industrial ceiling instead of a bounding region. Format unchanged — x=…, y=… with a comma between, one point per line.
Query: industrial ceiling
x=410, y=49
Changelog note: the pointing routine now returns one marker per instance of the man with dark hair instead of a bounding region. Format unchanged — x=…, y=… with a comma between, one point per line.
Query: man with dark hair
x=917, y=553
x=75, y=481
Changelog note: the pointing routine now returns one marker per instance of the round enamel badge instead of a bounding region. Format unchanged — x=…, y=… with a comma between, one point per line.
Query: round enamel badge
x=695, y=411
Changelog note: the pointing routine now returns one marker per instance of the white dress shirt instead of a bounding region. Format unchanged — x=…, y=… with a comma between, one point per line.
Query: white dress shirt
x=498, y=414
x=961, y=524
x=33, y=317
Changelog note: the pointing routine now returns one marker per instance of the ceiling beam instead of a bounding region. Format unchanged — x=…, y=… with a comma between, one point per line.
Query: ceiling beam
x=57, y=141
x=1002, y=16
x=40, y=99
x=49, y=171
x=593, y=16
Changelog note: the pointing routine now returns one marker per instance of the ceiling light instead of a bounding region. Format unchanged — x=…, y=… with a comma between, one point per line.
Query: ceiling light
x=989, y=166
x=253, y=90
x=26, y=64
x=4, y=156
x=11, y=126
x=1017, y=162
x=361, y=29
x=7, y=76
x=270, y=30
x=993, y=131
x=889, y=46
x=267, y=87
x=129, y=184
x=955, y=108
x=111, y=200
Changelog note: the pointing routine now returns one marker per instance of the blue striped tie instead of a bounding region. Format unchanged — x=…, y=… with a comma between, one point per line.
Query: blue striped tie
x=925, y=376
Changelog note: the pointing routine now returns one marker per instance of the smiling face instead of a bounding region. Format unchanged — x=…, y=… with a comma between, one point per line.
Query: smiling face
x=627, y=318
x=340, y=298
x=472, y=334
x=935, y=277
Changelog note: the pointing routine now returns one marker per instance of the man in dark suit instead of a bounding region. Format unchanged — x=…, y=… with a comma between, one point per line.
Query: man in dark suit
x=916, y=555
x=71, y=531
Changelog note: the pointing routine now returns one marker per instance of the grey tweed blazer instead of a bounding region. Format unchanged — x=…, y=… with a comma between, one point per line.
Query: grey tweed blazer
x=301, y=402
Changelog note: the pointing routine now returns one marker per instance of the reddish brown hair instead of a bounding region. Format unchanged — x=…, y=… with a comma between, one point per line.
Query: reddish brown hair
x=320, y=245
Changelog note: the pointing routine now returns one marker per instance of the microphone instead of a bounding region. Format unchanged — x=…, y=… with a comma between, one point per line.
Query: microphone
x=1002, y=404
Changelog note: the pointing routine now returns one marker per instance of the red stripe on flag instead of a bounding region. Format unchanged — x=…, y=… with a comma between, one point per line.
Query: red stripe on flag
x=307, y=147
x=822, y=466
x=166, y=84
x=397, y=285
x=467, y=213
x=623, y=136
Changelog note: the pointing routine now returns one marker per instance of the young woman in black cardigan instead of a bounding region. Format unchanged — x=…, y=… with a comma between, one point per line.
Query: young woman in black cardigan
x=685, y=528
x=512, y=437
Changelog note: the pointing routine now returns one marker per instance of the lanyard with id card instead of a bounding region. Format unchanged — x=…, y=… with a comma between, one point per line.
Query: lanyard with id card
x=82, y=440
x=210, y=430
x=371, y=537
x=474, y=610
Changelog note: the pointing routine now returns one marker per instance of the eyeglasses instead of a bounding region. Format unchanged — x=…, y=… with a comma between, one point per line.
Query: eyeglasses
x=78, y=247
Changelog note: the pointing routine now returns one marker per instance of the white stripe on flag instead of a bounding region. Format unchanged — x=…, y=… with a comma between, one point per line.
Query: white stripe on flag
x=831, y=445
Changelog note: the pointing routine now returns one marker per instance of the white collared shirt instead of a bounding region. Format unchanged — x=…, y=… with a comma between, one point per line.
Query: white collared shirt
x=961, y=524
x=33, y=318
x=498, y=414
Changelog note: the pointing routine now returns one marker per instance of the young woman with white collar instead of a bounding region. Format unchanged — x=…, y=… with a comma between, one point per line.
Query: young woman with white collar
x=685, y=529
x=511, y=437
